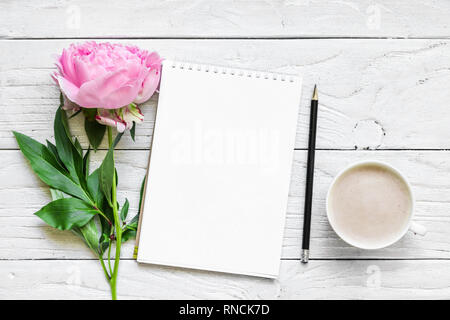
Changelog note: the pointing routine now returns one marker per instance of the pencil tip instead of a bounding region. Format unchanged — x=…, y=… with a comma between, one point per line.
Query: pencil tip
x=315, y=95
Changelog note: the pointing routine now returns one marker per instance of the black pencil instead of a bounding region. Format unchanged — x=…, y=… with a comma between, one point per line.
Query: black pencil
x=309, y=176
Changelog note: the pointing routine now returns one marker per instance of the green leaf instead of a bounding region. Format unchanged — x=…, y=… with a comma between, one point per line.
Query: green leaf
x=77, y=231
x=128, y=234
x=141, y=193
x=124, y=211
x=73, y=152
x=104, y=242
x=117, y=139
x=52, y=148
x=78, y=146
x=61, y=99
x=133, y=131
x=67, y=151
x=108, y=211
x=45, y=165
x=130, y=229
x=86, y=163
x=90, y=235
x=93, y=185
x=106, y=227
x=66, y=213
x=94, y=131
x=56, y=194
x=63, y=143
x=31, y=147
x=133, y=223
x=106, y=174
x=83, y=232
x=90, y=113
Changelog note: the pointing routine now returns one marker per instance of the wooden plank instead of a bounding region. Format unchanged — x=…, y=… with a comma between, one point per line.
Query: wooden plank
x=184, y=18
x=25, y=236
x=317, y=280
x=377, y=94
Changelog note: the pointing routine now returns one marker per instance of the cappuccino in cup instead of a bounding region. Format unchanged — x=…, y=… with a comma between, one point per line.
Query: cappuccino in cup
x=370, y=205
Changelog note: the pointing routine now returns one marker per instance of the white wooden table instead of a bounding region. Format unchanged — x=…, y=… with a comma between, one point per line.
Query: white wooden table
x=383, y=70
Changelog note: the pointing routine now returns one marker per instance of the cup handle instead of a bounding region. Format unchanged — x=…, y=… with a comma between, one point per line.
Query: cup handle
x=417, y=228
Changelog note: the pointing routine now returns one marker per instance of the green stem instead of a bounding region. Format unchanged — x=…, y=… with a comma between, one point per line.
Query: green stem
x=102, y=214
x=109, y=257
x=113, y=281
x=104, y=268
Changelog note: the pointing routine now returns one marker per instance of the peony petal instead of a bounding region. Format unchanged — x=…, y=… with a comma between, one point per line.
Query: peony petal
x=121, y=97
x=149, y=86
x=86, y=72
x=54, y=76
x=68, y=88
x=96, y=93
x=153, y=60
x=68, y=72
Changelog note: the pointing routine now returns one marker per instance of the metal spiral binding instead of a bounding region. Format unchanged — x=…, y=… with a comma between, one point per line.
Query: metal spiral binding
x=231, y=71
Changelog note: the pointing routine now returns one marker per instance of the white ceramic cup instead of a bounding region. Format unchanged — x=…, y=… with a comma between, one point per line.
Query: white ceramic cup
x=411, y=226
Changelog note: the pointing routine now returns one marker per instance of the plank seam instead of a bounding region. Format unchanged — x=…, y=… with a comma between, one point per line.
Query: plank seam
x=283, y=259
x=295, y=149
x=232, y=38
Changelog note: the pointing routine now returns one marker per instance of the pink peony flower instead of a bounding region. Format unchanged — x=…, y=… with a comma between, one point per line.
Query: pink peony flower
x=108, y=76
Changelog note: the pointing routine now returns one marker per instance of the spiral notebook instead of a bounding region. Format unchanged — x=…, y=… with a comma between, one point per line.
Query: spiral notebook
x=219, y=171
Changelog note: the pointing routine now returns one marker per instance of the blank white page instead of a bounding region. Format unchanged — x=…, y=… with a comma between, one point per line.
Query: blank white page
x=219, y=171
